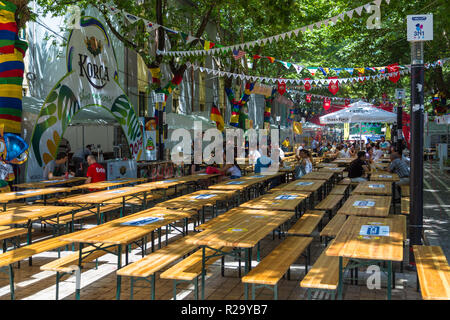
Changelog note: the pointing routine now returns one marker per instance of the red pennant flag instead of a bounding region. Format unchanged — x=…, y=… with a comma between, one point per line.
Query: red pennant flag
x=307, y=85
x=333, y=86
x=326, y=103
x=308, y=98
x=271, y=59
x=281, y=87
x=394, y=68
x=346, y=102
x=256, y=57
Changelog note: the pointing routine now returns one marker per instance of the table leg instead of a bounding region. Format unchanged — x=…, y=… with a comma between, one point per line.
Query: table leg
x=29, y=226
x=119, y=265
x=203, y=272
x=389, y=284
x=341, y=282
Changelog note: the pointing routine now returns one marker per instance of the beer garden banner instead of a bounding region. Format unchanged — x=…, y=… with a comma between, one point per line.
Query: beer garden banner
x=91, y=80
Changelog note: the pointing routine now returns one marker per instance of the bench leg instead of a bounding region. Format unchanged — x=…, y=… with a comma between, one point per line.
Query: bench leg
x=246, y=291
x=11, y=282
x=119, y=265
x=389, y=285
x=153, y=282
x=196, y=288
x=341, y=282
x=253, y=291
x=174, y=289
x=308, y=294
x=275, y=292
x=131, y=287
x=222, y=268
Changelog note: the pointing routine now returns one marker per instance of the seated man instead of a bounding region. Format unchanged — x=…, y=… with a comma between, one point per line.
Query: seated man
x=358, y=167
x=56, y=168
x=401, y=168
x=95, y=172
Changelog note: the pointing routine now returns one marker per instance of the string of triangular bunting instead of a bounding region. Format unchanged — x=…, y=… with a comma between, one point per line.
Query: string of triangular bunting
x=317, y=82
x=211, y=48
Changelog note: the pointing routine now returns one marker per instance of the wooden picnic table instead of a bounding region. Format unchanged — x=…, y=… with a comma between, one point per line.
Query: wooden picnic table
x=343, y=162
x=113, y=236
x=318, y=176
x=379, y=188
x=198, y=200
x=332, y=169
x=244, y=184
x=243, y=230
x=366, y=205
x=18, y=195
x=368, y=249
x=280, y=200
x=48, y=183
x=107, y=184
x=391, y=177
x=98, y=198
x=26, y=215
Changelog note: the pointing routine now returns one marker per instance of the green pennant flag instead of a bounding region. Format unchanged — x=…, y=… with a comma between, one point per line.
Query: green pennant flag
x=184, y=36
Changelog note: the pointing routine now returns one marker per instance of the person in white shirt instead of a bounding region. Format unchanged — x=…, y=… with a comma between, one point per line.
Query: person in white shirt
x=384, y=144
x=305, y=165
x=377, y=152
x=301, y=147
x=343, y=152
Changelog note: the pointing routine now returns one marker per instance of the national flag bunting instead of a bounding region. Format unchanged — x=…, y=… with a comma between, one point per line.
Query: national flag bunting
x=237, y=54
x=217, y=117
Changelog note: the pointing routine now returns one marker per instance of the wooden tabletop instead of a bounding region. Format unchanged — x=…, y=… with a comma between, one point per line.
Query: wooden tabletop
x=280, y=200
x=343, y=160
x=106, y=184
x=198, y=199
x=366, y=205
x=350, y=244
x=326, y=165
x=375, y=188
x=318, y=176
x=390, y=177
x=115, y=232
x=102, y=196
x=22, y=215
x=11, y=196
x=235, y=184
x=332, y=169
x=304, y=185
x=244, y=228
x=48, y=183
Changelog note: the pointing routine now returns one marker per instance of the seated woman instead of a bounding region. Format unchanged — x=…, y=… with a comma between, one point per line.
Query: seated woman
x=305, y=164
x=233, y=170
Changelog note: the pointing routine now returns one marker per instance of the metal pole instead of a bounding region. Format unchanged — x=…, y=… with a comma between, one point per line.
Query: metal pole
x=160, y=131
x=417, y=129
x=399, y=124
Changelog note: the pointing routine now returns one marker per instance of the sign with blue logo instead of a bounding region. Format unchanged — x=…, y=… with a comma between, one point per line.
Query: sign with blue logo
x=141, y=221
x=286, y=197
x=376, y=186
x=419, y=27
x=235, y=182
x=368, y=230
x=364, y=204
x=204, y=196
x=304, y=183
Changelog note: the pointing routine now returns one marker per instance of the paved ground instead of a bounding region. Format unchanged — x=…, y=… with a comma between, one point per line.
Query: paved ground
x=100, y=284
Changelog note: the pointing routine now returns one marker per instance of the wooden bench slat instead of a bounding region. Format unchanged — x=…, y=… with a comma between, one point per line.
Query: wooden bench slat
x=12, y=232
x=307, y=223
x=329, y=203
x=339, y=189
x=83, y=214
x=63, y=264
x=272, y=268
x=324, y=274
x=157, y=260
x=191, y=267
x=333, y=226
x=433, y=272
x=25, y=252
x=405, y=205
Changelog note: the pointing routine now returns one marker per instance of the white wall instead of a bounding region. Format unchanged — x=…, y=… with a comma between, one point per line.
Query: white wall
x=103, y=135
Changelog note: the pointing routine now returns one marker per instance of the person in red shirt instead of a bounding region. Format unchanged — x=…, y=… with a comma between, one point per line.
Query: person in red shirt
x=96, y=172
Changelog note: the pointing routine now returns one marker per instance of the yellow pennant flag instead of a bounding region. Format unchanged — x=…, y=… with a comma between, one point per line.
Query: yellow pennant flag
x=346, y=131
x=297, y=127
x=388, y=132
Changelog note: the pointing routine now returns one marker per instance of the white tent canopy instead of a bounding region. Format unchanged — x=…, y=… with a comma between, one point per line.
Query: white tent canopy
x=359, y=112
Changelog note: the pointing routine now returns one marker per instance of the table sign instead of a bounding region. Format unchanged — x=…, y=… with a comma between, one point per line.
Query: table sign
x=371, y=230
x=204, y=196
x=304, y=183
x=117, y=191
x=167, y=181
x=202, y=174
x=259, y=176
x=384, y=176
x=235, y=182
x=376, y=186
x=21, y=193
x=237, y=229
x=286, y=197
x=364, y=204
x=142, y=221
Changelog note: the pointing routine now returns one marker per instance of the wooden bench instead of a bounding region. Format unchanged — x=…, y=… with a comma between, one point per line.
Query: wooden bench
x=323, y=275
x=190, y=269
x=307, y=223
x=333, y=227
x=47, y=201
x=404, y=205
x=348, y=181
x=330, y=204
x=7, y=259
x=273, y=267
x=12, y=235
x=148, y=266
x=433, y=272
x=340, y=190
x=65, y=265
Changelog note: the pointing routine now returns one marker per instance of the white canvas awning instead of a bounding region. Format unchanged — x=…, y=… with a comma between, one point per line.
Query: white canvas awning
x=359, y=112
